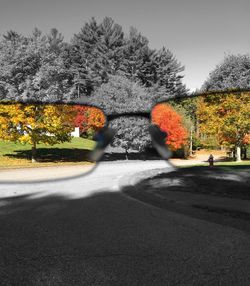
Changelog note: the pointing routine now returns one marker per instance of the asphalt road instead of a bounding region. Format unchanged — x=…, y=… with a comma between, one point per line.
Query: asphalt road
x=88, y=232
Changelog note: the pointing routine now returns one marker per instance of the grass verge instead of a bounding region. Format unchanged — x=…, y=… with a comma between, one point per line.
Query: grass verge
x=17, y=155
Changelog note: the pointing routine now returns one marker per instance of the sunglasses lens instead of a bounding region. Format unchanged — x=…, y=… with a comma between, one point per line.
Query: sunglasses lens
x=41, y=142
x=197, y=127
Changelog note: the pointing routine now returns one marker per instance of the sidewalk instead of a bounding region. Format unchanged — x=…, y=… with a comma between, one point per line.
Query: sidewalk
x=201, y=158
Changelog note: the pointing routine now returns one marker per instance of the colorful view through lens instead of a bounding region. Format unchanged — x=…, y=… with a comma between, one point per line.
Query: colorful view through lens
x=213, y=125
x=47, y=141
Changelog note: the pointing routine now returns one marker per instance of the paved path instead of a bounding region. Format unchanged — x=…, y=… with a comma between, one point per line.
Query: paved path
x=86, y=232
x=32, y=174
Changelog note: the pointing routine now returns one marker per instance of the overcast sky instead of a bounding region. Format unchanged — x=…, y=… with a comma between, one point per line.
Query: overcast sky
x=198, y=32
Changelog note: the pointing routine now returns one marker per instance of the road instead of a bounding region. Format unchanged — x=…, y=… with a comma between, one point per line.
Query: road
x=105, y=176
x=88, y=232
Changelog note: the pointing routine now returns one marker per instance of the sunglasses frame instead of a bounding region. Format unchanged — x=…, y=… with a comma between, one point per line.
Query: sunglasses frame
x=157, y=136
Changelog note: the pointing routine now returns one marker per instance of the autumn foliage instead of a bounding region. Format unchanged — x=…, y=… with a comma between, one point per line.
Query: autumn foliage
x=36, y=123
x=89, y=119
x=164, y=116
x=226, y=117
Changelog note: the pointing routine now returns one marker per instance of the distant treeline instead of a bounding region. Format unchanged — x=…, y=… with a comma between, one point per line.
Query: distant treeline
x=45, y=66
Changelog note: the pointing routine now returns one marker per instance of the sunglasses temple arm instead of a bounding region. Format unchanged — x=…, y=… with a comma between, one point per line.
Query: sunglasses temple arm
x=103, y=138
x=159, y=141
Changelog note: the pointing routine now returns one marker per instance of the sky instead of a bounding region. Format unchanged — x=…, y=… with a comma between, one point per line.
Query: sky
x=200, y=33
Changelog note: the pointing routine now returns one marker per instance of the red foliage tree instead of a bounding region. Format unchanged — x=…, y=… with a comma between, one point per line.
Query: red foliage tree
x=168, y=120
x=89, y=119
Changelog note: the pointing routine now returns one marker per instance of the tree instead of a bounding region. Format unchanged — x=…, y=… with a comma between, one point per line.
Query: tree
x=99, y=51
x=89, y=119
x=169, y=121
x=226, y=116
x=123, y=96
x=232, y=73
x=55, y=40
x=87, y=58
x=131, y=133
x=34, y=124
x=187, y=107
x=137, y=63
x=12, y=36
x=168, y=73
x=31, y=68
x=112, y=43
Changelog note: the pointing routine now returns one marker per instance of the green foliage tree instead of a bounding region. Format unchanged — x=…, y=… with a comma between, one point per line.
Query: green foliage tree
x=111, y=42
x=137, y=63
x=168, y=73
x=131, y=133
x=101, y=50
x=31, y=68
x=232, y=73
x=120, y=96
x=96, y=52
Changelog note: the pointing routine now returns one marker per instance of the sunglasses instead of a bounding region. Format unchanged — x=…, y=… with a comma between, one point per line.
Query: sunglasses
x=43, y=141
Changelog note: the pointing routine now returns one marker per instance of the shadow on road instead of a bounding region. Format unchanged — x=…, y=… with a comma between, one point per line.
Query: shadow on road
x=110, y=239
x=168, y=191
x=223, y=181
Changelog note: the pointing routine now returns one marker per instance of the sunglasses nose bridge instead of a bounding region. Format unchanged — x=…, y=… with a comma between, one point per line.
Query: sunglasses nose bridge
x=103, y=138
x=106, y=135
x=159, y=141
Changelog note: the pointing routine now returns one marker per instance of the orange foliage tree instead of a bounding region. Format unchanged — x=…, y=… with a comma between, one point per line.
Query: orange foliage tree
x=89, y=119
x=168, y=120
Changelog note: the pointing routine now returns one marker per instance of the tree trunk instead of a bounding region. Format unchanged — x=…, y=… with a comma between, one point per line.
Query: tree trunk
x=238, y=154
x=191, y=142
x=245, y=153
x=126, y=152
x=33, y=153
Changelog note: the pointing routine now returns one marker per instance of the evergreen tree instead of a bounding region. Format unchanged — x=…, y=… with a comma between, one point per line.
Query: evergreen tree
x=112, y=43
x=12, y=36
x=168, y=73
x=86, y=58
x=137, y=57
x=55, y=40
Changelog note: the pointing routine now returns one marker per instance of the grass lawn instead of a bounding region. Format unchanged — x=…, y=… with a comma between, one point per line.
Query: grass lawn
x=19, y=155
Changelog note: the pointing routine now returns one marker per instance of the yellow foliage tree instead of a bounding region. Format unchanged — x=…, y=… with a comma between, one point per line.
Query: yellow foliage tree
x=226, y=116
x=36, y=123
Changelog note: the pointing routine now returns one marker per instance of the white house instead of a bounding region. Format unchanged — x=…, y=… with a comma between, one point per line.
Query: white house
x=76, y=132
